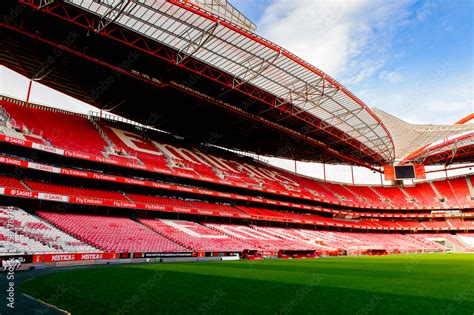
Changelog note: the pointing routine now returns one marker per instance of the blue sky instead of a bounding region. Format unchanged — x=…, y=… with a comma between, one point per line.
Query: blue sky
x=413, y=59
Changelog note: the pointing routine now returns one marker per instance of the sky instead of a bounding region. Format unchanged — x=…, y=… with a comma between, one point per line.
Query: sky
x=412, y=59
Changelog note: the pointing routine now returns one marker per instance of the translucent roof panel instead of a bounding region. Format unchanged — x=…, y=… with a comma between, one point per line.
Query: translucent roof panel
x=204, y=36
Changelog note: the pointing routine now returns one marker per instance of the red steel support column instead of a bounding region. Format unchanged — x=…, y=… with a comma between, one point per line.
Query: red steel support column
x=352, y=173
x=29, y=92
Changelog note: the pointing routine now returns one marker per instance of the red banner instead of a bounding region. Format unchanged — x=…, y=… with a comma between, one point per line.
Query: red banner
x=73, y=257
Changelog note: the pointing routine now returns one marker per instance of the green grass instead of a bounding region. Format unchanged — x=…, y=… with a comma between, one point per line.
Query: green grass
x=412, y=284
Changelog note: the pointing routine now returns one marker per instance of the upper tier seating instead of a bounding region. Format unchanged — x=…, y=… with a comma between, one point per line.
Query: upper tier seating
x=369, y=196
x=424, y=195
x=27, y=226
x=76, y=133
x=446, y=191
x=194, y=236
x=11, y=183
x=116, y=234
x=157, y=159
x=395, y=195
x=67, y=131
x=461, y=191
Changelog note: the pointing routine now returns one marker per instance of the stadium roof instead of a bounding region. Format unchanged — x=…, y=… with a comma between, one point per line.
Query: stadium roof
x=227, y=11
x=288, y=93
x=430, y=144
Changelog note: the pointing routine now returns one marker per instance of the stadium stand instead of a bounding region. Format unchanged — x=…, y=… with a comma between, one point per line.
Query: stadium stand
x=11, y=182
x=177, y=191
x=104, y=197
x=61, y=129
x=195, y=236
x=35, y=235
x=109, y=233
x=181, y=162
x=75, y=191
x=54, y=232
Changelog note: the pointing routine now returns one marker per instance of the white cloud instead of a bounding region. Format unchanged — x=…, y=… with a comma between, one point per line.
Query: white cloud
x=391, y=76
x=426, y=9
x=347, y=39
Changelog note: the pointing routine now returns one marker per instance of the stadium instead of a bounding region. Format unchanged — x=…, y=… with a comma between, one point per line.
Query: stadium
x=158, y=201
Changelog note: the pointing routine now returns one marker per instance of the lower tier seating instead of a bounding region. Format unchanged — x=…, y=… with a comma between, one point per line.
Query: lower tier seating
x=194, y=236
x=58, y=232
x=25, y=233
x=109, y=233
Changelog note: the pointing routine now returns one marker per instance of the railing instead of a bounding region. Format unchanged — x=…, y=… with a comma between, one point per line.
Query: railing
x=101, y=132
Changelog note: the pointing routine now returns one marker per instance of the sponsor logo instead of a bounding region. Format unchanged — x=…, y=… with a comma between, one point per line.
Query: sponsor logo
x=10, y=161
x=43, y=167
x=15, y=141
x=179, y=209
x=77, y=155
x=91, y=256
x=64, y=257
x=121, y=204
x=160, y=185
x=88, y=201
x=104, y=177
x=52, y=197
x=134, y=181
x=74, y=172
x=45, y=148
x=21, y=193
x=188, y=189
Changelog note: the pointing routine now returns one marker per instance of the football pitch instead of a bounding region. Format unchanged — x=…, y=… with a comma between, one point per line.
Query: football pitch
x=408, y=284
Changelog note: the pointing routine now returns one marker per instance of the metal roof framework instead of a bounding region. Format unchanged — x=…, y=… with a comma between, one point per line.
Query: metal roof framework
x=414, y=140
x=446, y=152
x=240, y=60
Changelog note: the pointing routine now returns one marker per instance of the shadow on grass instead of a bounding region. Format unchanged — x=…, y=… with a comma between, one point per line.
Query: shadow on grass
x=155, y=291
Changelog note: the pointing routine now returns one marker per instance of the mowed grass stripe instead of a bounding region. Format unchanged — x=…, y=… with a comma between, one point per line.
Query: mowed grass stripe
x=411, y=284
